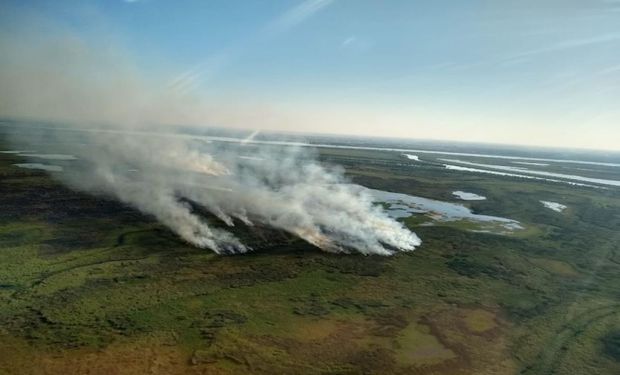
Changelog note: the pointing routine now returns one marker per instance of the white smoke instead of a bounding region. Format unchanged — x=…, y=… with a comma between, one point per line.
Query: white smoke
x=282, y=187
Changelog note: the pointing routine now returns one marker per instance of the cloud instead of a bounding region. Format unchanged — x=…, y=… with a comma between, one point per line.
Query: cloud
x=566, y=45
x=195, y=76
x=357, y=44
x=349, y=41
x=297, y=15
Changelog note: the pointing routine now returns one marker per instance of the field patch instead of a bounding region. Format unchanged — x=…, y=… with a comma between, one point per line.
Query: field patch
x=479, y=321
x=556, y=267
x=418, y=346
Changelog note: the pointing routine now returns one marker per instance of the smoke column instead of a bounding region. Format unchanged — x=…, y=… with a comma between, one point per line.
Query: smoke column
x=282, y=187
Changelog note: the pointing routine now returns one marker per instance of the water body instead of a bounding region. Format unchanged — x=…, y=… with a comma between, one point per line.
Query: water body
x=412, y=157
x=45, y=167
x=13, y=151
x=537, y=173
x=205, y=138
x=498, y=173
x=530, y=163
x=555, y=206
x=406, y=150
x=254, y=158
x=468, y=196
x=50, y=156
x=403, y=205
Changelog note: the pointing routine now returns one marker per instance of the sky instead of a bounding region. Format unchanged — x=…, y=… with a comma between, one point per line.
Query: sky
x=544, y=72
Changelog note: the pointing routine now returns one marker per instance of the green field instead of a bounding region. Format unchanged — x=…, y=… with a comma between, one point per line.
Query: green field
x=88, y=285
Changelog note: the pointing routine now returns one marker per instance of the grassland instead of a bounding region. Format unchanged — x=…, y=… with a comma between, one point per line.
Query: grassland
x=88, y=285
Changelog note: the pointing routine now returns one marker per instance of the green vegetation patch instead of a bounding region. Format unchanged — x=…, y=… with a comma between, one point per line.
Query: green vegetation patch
x=611, y=345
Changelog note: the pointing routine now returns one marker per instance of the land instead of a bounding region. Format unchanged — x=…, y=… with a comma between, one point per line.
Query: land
x=88, y=285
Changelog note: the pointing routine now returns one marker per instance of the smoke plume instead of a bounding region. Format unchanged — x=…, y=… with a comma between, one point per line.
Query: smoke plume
x=282, y=187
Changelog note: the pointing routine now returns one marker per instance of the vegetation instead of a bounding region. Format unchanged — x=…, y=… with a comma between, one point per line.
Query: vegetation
x=611, y=345
x=90, y=285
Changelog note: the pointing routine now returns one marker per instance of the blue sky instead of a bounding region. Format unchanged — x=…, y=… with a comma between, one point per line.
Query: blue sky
x=540, y=72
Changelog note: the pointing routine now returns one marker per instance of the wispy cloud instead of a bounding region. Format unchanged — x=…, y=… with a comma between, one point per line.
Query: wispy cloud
x=297, y=15
x=356, y=44
x=349, y=41
x=193, y=77
x=569, y=44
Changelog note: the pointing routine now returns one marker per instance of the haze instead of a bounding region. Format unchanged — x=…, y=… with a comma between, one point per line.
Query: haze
x=521, y=72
